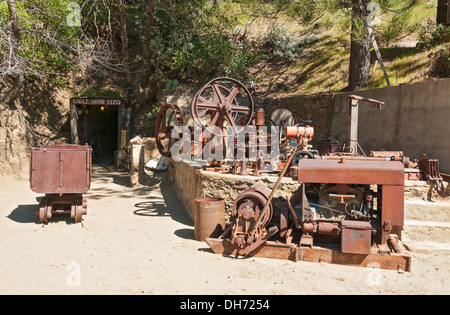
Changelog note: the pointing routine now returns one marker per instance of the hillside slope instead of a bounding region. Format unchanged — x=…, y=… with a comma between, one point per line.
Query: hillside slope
x=321, y=63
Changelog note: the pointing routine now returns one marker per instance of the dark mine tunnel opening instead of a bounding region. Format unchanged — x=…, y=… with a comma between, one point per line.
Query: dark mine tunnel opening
x=98, y=127
x=102, y=123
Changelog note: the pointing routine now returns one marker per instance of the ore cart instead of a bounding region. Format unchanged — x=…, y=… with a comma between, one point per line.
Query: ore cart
x=63, y=173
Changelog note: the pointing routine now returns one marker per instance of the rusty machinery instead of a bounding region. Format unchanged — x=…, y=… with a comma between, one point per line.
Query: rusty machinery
x=63, y=173
x=349, y=209
x=216, y=105
x=220, y=103
x=346, y=212
x=169, y=116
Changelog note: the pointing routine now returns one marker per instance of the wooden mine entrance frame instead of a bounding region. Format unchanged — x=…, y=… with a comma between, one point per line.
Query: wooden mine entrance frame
x=123, y=122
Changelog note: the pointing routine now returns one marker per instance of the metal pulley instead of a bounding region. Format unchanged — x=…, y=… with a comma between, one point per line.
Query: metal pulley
x=246, y=212
x=223, y=102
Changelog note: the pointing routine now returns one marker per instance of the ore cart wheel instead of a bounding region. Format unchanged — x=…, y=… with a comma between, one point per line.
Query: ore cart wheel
x=84, y=206
x=43, y=210
x=78, y=209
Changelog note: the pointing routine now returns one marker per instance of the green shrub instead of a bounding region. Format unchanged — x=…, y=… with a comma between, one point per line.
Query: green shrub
x=282, y=45
x=431, y=35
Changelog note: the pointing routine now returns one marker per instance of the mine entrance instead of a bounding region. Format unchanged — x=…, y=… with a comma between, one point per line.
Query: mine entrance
x=103, y=124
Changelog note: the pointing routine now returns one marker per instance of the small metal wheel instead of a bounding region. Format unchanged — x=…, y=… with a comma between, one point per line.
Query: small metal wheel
x=219, y=100
x=301, y=155
x=78, y=209
x=169, y=116
x=84, y=206
x=44, y=210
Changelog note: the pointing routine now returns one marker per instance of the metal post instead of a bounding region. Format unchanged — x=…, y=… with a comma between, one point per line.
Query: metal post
x=353, y=126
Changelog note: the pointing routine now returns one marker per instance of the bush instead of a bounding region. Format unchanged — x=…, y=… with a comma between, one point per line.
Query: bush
x=283, y=46
x=441, y=64
x=431, y=35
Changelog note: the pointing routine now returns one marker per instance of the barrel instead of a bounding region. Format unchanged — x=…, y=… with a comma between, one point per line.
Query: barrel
x=209, y=219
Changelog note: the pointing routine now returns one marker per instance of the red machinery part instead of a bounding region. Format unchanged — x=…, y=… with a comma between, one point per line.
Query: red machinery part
x=387, y=175
x=356, y=237
x=296, y=132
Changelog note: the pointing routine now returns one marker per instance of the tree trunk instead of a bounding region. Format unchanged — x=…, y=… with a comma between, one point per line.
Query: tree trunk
x=443, y=12
x=16, y=88
x=124, y=38
x=14, y=20
x=359, y=69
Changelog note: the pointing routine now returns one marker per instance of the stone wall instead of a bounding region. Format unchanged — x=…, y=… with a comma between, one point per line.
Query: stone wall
x=16, y=137
x=317, y=108
x=191, y=182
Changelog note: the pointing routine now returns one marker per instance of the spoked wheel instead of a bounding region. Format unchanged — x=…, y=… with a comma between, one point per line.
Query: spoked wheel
x=169, y=116
x=283, y=118
x=218, y=99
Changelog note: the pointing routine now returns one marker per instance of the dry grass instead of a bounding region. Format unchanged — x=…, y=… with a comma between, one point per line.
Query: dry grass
x=323, y=65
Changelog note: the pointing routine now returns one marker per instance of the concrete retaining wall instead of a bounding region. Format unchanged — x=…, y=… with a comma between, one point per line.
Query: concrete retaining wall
x=415, y=120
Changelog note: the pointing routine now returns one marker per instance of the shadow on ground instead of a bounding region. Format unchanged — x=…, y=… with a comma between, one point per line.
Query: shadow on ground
x=168, y=206
x=25, y=214
x=29, y=214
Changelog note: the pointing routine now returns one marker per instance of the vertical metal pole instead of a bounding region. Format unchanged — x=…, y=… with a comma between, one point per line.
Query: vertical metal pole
x=353, y=126
x=303, y=200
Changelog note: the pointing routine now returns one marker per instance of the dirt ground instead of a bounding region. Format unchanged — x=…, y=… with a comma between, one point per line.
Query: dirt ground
x=139, y=240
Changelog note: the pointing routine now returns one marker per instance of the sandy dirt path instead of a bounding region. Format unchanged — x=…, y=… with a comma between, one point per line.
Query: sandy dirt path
x=139, y=240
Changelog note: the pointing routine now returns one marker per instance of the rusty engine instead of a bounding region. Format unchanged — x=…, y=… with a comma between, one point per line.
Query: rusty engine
x=348, y=210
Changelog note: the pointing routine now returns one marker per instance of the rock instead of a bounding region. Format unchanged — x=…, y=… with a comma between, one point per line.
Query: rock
x=159, y=163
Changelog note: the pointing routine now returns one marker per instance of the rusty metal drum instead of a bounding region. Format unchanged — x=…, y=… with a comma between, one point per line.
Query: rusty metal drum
x=209, y=220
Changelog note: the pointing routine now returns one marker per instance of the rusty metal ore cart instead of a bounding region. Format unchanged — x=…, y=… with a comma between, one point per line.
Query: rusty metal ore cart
x=63, y=173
